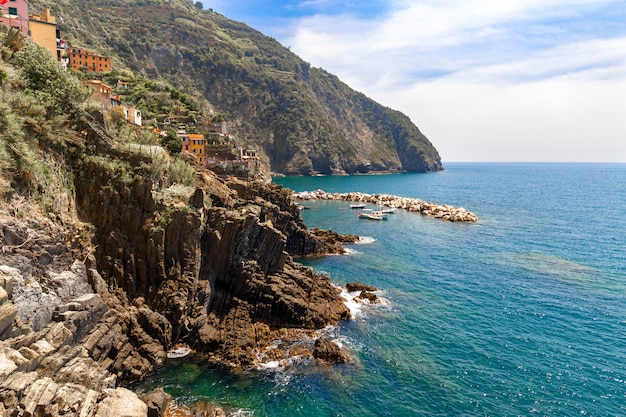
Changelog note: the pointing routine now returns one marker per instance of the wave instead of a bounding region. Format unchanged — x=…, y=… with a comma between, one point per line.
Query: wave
x=359, y=307
x=365, y=240
x=350, y=251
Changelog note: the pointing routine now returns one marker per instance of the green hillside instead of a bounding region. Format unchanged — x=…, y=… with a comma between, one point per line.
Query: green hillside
x=301, y=119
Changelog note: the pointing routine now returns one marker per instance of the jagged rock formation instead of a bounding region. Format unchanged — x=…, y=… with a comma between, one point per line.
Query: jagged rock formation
x=89, y=305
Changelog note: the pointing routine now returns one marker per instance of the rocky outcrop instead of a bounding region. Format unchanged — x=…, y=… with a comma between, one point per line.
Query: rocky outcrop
x=89, y=306
x=65, y=341
x=207, y=273
x=443, y=212
x=328, y=351
x=279, y=208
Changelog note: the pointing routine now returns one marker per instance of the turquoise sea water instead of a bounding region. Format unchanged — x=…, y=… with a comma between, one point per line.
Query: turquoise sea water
x=523, y=313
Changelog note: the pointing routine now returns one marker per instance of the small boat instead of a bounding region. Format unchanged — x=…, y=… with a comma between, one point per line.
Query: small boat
x=374, y=215
x=388, y=210
x=357, y=206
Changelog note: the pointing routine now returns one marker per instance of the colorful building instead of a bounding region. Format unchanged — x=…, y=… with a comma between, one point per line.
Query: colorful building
x=196, y=147
x=43, y=30
x=100, y=92
x=14, y=13
x=133, y=114
x=193, y=144
x=80, y=58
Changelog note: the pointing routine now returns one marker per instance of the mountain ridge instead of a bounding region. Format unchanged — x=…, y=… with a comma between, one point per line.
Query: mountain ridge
x=302, y=119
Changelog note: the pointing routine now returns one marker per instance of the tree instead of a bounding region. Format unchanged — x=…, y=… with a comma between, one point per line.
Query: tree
x=199, y=5
x=117, y=117
x=172, y=142
x=47, y=81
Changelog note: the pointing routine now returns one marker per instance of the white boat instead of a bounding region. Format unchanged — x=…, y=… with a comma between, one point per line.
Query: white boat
x=388, y=210
x=357, y=206
x=374, y=215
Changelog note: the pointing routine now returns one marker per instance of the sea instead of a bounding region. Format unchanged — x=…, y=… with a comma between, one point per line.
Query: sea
x=520, y=314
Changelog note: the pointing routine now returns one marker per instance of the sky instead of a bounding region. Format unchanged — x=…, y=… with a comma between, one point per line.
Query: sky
x=484, y=80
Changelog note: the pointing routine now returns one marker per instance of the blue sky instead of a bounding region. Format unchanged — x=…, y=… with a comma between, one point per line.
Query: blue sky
x=485, y=80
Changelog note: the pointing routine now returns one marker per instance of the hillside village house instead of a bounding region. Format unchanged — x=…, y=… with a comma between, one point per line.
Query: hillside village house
x=102, y=93
x=133, y=114
x=43, y=30
x=196, y=147
x=14, y=13
x=81, y=58
x=193, y=144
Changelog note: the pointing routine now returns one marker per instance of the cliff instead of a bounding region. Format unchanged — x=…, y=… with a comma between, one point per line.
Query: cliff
x=110, y=256
x=301, y=119
x=81, y=316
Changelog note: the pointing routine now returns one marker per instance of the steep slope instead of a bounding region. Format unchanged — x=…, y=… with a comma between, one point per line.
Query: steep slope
x=302, y=119
x=112, y=254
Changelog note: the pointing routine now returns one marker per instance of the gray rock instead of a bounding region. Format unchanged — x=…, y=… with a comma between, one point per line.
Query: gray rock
x=121, y=402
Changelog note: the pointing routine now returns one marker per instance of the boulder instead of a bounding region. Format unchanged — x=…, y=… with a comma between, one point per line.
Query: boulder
x=329, y=351
x=370, y=297
x=8, y=277
x=121, y=402
x=7, y=314
x=157, y=402
x=359, y=286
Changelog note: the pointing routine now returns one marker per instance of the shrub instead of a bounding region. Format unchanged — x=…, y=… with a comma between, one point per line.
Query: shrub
x=172, y=142
x=45, y=79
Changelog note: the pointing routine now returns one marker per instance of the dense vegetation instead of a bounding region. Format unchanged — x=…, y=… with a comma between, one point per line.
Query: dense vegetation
x=44, y=113
x=301, y=118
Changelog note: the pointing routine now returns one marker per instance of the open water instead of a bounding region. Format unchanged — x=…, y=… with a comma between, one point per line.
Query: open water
x=523, y=313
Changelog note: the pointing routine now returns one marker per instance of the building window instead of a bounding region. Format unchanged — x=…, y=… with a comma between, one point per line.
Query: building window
x=13, y=11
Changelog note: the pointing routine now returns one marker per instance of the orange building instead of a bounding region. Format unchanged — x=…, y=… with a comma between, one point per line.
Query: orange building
x=196, y=147
x=80, y=58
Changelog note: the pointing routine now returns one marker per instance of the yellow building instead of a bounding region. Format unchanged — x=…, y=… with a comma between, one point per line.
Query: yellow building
x=196, y=147
x=43, y=30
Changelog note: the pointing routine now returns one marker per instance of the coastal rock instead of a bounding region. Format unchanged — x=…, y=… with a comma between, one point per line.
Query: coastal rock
x=370, y=297
x=7, y=314
x=329, y=351
x=121, y=402
x=210, y=273
x=157, y=402
x=359, y=286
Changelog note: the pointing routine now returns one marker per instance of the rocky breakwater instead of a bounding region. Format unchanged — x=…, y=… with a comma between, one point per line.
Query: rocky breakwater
x=444, y=212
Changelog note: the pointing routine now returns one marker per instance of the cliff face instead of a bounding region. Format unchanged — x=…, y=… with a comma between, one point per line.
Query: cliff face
x=301, y=119
x=88, y=305
x=213, y=273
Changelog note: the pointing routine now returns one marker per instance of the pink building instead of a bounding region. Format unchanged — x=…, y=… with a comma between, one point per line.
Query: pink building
x=15, y=14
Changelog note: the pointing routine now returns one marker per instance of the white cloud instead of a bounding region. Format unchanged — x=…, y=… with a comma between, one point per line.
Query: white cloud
x=551, y=120
x=486, y=79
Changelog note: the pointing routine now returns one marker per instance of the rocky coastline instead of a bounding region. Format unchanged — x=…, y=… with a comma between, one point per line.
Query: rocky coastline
x=96, y=291
x=444, y=212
